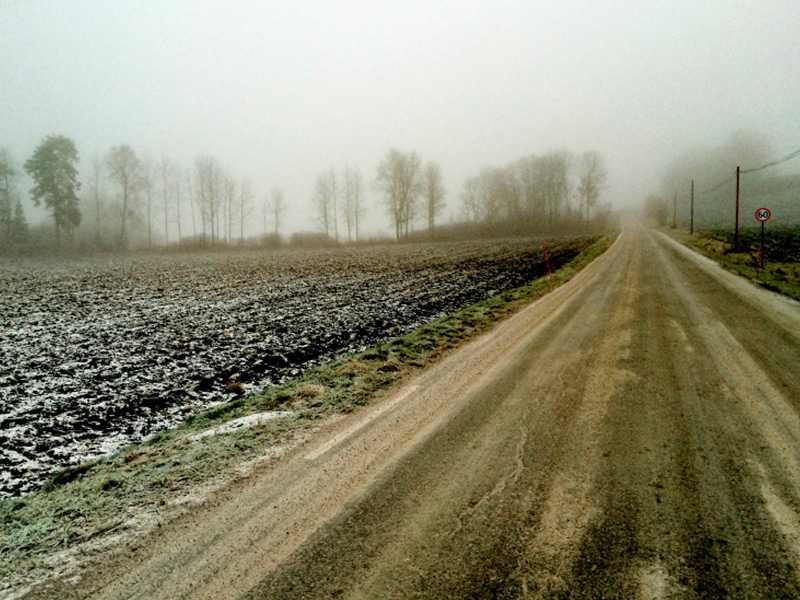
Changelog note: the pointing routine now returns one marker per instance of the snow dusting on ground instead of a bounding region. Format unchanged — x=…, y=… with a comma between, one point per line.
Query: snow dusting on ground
x=100, y=352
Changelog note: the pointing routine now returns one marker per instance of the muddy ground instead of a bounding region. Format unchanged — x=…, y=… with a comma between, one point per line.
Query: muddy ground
x=100, y=352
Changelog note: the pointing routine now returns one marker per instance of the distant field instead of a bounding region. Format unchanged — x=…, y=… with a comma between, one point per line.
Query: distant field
x=780, y=244
x=781, y=271
x=101, y=352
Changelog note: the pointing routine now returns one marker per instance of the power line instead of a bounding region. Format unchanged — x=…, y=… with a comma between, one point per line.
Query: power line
x=717, y=186
x=789, y=156
x=773, y=163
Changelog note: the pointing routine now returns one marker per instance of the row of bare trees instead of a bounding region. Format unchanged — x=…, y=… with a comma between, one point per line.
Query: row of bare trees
x=410, y=190
x=204, y=202
x=145, y=191
x=273, y=208
x=537, y=190
x=132, y=199
x=336, y=198
x=129, y=199
x=403, y=182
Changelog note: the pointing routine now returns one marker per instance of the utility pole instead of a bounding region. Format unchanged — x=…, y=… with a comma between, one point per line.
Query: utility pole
x=736, y=231
x=691, y=210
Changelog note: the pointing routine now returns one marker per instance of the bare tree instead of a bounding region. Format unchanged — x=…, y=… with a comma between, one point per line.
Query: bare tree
x=592, y=178
x=229, y=199
x=148, y=175
x=124, y=168
x=333, y=189
x=177, y=186
x=245, y=198
x=530, y=185
x=471, y=199
x=96, y=196
x=265, y=210
x=190, y=193
x=8, y=175
x=360, y=208
x=511, y=193
x=433, y=193
x=167, y=179
x=278, y=206
x=553, y=174
x=400, y=180
x=13, y=224
x=353, y=205
x=324, y=194
x=492, y=194
x=209, y=191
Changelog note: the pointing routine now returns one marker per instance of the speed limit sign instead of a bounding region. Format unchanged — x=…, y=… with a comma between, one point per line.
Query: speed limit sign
x=763, y=214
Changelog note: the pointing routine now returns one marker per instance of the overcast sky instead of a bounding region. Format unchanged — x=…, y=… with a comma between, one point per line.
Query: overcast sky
x=280, y=90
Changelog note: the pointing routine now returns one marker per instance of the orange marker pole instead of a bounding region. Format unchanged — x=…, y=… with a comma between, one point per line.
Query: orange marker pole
x=547, y=261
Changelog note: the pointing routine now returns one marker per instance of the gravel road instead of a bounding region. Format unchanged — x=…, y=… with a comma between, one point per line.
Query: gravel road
x=633, y=434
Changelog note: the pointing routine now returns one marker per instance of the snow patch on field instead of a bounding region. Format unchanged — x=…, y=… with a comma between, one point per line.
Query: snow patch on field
x=241, y=423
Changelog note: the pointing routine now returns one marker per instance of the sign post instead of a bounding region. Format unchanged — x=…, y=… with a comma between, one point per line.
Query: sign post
x=763, y=215
x=736, y=231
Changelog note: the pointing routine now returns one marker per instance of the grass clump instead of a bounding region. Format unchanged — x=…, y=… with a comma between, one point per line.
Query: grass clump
x=138, y=482
x=64, y=476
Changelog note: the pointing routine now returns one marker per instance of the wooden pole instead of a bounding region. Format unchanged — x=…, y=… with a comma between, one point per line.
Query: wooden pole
x=736, y=231
x=691, y=209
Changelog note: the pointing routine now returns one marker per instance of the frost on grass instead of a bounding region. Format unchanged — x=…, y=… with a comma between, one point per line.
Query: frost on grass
x=240, y=423
x=99, y=353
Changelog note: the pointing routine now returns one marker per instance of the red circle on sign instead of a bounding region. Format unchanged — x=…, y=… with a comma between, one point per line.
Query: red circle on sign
x=763, y=214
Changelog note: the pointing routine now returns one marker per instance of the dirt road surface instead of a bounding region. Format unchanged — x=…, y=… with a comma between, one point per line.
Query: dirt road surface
x=634, y=434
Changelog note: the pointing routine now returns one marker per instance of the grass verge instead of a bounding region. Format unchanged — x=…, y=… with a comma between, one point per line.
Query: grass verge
x=781, y=277
x=84, y=509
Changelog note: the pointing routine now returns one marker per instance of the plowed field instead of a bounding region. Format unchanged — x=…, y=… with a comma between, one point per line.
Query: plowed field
x=97, y=353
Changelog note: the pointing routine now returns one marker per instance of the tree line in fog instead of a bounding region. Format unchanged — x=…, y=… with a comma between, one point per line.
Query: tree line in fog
x=128, y=199
x=539, y=192
x=533, y=194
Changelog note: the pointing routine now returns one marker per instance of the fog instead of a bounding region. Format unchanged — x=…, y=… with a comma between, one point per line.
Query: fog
x=281, y=91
